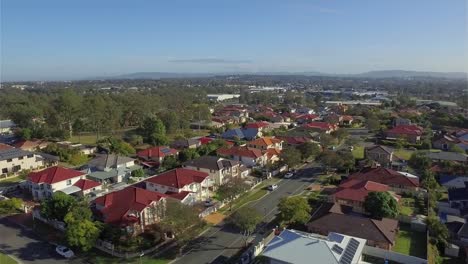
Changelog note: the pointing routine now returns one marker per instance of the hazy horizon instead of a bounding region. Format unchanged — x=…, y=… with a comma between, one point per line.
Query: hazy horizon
x=63, y=40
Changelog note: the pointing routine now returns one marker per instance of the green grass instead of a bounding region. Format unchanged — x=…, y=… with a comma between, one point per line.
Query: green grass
x=358, y=152
x=403, y=153
x=410, y=242
x=407, y=206
x=5, y=259
x=405, y=210
x=102, y=258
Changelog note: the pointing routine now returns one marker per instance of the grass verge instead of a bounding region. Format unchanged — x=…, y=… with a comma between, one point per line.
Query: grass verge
x=5, y=259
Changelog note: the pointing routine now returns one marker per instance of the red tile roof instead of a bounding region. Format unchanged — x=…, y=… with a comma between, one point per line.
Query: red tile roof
x=156, y=152
x=85, y=184
x=178, y=178
x=179, y=196
x=357, y=190
x=241, y=152
x=257, y=124
x=307, y=117
x=347, y=118
x=119, y=204
x=295, y=140
x=385, y=176
x=265, y=141
x=406, y=130
x=30, y=144
x=320, y=125
x=205, y=140
x=54, y=174
x=5, y=146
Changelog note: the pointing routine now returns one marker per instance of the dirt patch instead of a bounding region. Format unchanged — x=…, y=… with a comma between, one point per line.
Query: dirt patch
x=215, y=218
x=314, y=187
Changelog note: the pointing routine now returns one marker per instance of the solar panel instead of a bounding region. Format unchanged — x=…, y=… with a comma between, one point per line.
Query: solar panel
x=350, y=251
x=337, y=249
x=335, y=237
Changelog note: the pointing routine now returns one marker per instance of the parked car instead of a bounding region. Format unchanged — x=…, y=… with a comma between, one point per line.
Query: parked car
x=64, y=251
x=273, y=187
x=288, y=175
x=209, y=202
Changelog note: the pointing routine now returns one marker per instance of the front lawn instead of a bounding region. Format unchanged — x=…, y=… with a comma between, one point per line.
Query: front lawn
x=410, y=242
x=358, y=152
x=5, y=259
x=404, y=153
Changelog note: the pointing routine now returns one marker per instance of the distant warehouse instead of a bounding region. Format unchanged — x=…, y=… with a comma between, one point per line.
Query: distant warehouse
x=222, y=97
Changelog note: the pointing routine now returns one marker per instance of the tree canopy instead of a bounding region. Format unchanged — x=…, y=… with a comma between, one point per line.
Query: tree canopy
x=246, y=219
x=294, y=210
x=381, y=204
x=57, y=206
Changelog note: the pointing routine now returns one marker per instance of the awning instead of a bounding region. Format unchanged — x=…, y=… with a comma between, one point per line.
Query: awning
x=70, y=189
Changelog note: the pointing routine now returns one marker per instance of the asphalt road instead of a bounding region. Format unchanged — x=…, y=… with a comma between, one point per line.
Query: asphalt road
x=26, y=246
x=220, y=242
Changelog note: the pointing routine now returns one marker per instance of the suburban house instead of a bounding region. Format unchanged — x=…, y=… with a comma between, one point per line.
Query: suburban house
x=265, y=143
x=86, y=187
x=384, y=157
x=297, y=247
x=242, y=133
x=110, y=168
x=182, y=181
x=261, y=125
x=399, y=121
x=353, y=193
x=44, y=183
x=399, y=182
x=307, y=118
x=250, y=157
x=14, y=160
x=130, y=208
x=220, y=170
x=5, y=146
x=452, y=181
x=31, y=145
x=332, y=218
x=85, y=150
x=154, y=156
x=322, y=127
x=448, y=156
x=295, y=141
x=412, y=133
x=458, y=197
x=189, y=143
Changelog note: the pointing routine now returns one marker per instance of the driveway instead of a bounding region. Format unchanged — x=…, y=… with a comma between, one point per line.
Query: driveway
x=221, y=242
x=26, y=246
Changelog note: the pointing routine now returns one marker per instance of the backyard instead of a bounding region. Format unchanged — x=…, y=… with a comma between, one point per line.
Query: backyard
x=409, y=242
x=358, y=152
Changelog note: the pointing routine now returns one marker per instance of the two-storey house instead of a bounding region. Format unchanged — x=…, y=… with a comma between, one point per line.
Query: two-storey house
x=220, y=170
x=14, y=160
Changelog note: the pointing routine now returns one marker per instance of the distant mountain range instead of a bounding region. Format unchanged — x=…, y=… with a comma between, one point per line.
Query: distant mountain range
x=370, y=74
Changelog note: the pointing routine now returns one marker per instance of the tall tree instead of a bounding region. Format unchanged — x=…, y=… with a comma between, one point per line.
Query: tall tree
x=309, y=150
x=294, y=210
x=57, y=206
x=246, y=219
x=81, y=232
x=291, y=157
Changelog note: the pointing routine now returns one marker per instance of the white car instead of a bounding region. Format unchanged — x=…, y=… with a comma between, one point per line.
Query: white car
x=288, y=175
x=272, y=187
x=64, y=251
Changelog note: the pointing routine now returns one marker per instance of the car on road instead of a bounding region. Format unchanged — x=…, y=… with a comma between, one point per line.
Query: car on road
x=288, y=175
x=64, y=251
x=273, y=187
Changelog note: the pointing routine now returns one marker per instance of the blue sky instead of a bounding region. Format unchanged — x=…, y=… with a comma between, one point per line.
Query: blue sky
x=76, y=39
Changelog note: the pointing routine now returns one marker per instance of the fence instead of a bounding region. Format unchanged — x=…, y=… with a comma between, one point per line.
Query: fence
x=393, y=256
x=110, y=249
x=211, y=209
x=54, y=223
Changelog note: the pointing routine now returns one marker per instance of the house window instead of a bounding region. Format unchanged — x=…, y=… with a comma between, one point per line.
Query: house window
x=68, y=182
x=20, y=158
x=9, y=160
x=5, y=170
x=30, y=155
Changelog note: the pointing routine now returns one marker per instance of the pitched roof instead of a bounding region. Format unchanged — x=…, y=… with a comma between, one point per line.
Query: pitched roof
x=379, y=147
x=384, y=230
x=294, y=140
x=271, y=152
x=456, y=194
x=265, y=141
x=29, y=144
x=385, y=176
x=120, y=204
x=319, y=125
x=211, y=162
x=5, y=146
x=240, y=151
x=357, y=190
x=85, y=184
x=156, y=152
x=103, y=161
x=178, y=178
x=53, y=175
x=13, y=153
x=257, y=124
x=406, y=130
x=446, y=155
